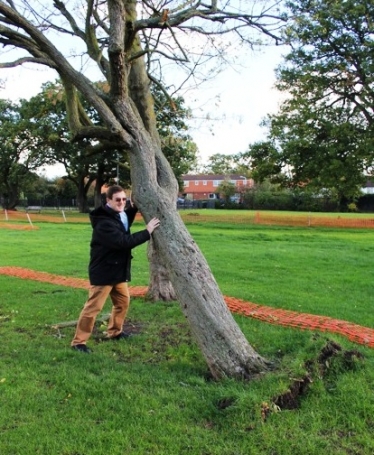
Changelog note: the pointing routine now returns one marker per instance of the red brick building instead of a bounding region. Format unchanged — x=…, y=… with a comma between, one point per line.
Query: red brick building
x=205, y=187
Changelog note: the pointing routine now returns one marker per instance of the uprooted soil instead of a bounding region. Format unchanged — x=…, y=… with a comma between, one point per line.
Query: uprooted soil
x=331, y=360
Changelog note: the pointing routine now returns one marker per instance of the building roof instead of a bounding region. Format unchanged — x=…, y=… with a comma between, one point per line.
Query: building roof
x=213, y=177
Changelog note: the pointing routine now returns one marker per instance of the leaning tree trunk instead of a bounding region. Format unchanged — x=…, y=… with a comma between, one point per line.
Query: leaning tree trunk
x=226, y=350
x=160, y=287
x=223, y=345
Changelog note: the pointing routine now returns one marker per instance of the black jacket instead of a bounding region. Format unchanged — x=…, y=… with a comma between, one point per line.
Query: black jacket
x=111, y=244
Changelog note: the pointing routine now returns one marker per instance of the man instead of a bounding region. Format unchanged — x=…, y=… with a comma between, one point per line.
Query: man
x=110, y=265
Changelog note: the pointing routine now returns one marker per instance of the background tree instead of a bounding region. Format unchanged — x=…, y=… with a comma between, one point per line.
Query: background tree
x=20, y=154
x=220, y=164
x=265, y=162
x=227, y=189
x=111, y=34
x=237, y=163
x=84, y=161
x=40, y=192
x=324, y=131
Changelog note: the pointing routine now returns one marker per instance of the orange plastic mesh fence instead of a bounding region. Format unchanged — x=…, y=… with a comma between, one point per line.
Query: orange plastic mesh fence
x=246, y=218
x=354, y=332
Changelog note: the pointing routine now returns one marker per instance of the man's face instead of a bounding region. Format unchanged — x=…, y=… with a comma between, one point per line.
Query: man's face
x=117, y=202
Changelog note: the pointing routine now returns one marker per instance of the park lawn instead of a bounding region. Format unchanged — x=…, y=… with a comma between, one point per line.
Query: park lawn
x=281, y=213
x=73, y=214
x=152, y=394
x=315, y=270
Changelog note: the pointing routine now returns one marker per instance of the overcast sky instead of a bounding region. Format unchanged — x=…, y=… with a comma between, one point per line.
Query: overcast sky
x=236, y=102
x=246, y=96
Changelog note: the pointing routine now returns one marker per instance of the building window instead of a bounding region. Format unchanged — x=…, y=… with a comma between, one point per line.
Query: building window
x=196, y=183
x=215, y=182
x=204, y=182
x=187, y=183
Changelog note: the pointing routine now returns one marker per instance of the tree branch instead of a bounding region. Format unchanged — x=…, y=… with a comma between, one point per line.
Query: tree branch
x=58, y=61
x=21, y=61
x=117, y=15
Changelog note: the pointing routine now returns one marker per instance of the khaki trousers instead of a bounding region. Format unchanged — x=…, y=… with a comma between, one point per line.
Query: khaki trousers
x=97, y=295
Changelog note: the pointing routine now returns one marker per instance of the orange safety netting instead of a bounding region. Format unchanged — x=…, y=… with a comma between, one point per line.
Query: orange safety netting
x=354, y=332
x=246, y=218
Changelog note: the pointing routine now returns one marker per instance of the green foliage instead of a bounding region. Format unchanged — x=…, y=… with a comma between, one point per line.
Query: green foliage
x=239, y=163
x=265, y=162
x=352, y=207
x=21, y=153
x=227, y=189
x=324, y=130
x=85, y=161
x=268, y=196
x=220, y=164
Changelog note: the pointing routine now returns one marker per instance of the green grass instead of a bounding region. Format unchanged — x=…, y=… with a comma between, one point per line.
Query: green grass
x=286, y=213
x=151, y=394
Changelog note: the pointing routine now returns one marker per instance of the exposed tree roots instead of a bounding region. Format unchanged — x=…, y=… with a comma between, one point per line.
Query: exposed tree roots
x=331, y=361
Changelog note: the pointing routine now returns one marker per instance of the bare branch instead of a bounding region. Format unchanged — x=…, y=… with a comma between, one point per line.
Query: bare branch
x=10, y=37
x=116, y=49
x=74, y=26
x=153, y=51
x=38, y=44
x=176, y=17
x=23, y=60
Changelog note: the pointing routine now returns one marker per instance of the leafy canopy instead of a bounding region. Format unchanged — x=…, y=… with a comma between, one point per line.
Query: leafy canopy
x=324, y=131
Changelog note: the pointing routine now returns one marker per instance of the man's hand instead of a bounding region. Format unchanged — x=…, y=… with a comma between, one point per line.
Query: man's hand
x=153, y=224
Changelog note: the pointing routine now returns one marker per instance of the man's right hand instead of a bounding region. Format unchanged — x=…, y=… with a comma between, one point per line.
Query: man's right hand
x=153, y=224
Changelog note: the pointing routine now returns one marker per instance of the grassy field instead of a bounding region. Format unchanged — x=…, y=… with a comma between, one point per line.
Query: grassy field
x=151, y=394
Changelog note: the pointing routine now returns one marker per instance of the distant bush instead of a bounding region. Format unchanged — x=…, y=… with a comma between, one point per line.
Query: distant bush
x=278, y=199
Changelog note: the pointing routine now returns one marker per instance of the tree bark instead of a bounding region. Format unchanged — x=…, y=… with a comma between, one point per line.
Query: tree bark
x=11, y=197
x=223, y=345
x=160, y=287
x=225, y=349
x=82, y=197
x=98, y=198
x=154, y=186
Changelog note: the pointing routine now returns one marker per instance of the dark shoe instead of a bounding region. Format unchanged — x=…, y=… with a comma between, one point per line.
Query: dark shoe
x=121, y=336
x=82, y=348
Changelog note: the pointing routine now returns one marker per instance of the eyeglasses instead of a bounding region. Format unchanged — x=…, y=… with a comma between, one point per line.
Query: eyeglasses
x=119, y=199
